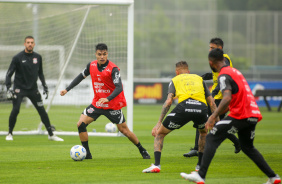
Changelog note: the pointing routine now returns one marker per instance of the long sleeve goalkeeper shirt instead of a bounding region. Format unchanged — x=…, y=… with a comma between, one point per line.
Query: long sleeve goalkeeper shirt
x=27, y=68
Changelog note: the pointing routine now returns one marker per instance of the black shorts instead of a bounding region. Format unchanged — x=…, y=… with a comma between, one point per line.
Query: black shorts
x=34, y=96
x=115, y=116
x=187, y=110
x=244, y=127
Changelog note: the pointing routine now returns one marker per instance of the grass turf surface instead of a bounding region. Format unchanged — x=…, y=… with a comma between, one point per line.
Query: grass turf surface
x=34, y=159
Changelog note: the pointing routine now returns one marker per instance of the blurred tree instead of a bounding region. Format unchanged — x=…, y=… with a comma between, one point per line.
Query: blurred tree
x=273, y=5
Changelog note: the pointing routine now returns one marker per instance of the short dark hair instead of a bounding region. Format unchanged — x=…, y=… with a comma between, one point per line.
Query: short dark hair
x=27, y=37
x=181, y=64
x=217, y=41
x=216, y=55
x=101, y=46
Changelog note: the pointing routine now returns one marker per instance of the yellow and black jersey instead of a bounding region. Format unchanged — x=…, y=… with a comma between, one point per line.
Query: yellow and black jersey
x=215, y=76
x=186, y=86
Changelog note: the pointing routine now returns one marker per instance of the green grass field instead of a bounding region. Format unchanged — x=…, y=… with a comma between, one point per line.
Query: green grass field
x=34, y=159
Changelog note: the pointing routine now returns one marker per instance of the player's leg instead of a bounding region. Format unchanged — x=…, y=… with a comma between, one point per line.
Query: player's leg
x=202, y=142
x=14, y=114
x=231, y=137
x=213, y=140
x=194, y=151
x=174, y=120
x=123, y=128
x=117, y=117
x=246, y=136
x=83, y=122
x=236, y=143
x=200, y=116
x=158, y=146
x=36, y=99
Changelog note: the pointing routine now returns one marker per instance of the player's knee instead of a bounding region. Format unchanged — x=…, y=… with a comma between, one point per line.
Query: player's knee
x=125, y=131
x=81, y=127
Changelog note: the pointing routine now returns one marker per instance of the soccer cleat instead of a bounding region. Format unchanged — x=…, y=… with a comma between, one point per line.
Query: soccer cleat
x=274, y=180
x=145, y=155
x=194, y=176
x=152, y=169
x=197, y=168
x=191, y=153
x=55, y=138
x=88, y=156
x=9, y=137
x=237, y=148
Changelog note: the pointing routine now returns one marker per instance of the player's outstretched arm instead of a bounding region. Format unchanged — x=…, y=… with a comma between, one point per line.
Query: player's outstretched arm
x=74, y=83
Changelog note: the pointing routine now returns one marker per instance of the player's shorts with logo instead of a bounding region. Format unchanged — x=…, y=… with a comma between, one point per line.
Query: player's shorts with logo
x=33, y=95
x=187, y=110
x=244, y=127
x=115, y=116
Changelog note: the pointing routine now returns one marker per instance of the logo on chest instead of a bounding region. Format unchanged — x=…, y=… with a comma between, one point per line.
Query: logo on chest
x=34, y=60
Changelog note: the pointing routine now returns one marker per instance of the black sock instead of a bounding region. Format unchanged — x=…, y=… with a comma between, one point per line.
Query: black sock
x=49, y=130
x=157, y=157
x=85, y=145
x=200, y=156
x=140, y=147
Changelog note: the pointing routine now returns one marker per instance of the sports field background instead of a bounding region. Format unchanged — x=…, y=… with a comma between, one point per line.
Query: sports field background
x=35, y=159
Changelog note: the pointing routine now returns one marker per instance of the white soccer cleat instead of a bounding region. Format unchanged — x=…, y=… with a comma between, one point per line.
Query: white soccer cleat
x=55, y=138
x=152, y=169
x=197, y=168
x=274, y=180
x=9, y=137
x=194, y=176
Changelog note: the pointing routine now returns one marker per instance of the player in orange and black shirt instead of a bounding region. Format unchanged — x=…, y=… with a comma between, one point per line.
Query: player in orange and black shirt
x=108, y=98
x=217, y=95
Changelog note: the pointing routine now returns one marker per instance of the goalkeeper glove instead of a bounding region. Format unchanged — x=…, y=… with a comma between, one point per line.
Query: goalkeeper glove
x=11, y=94
x=45, y=91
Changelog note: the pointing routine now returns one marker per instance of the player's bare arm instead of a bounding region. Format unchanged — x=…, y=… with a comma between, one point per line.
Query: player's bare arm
x=211, y=103
x=227, y=95
x=165, y=109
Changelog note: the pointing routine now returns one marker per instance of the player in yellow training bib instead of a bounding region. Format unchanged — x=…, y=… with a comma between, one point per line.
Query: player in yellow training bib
x=193, y=97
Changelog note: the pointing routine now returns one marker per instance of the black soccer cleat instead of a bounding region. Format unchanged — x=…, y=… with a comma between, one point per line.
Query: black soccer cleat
x=191, y=153
x=88, y=156
x=237, y=148
x=145, y=154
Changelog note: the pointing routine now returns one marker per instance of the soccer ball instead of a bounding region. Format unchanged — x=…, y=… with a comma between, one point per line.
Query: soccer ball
x=110, y=127
x=78, y=153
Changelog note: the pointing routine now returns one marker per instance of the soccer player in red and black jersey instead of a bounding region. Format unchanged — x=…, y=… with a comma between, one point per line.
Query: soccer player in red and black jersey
x=108, y=98
x=242, y=119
